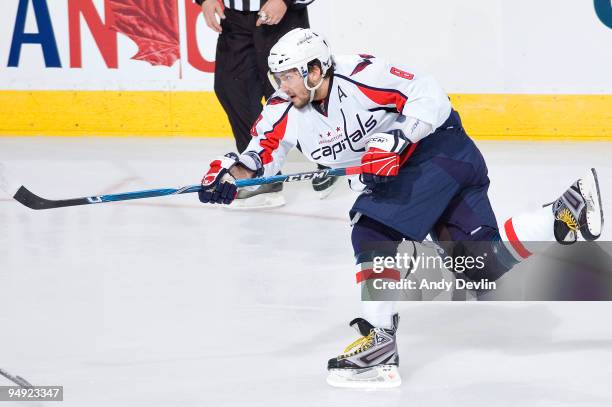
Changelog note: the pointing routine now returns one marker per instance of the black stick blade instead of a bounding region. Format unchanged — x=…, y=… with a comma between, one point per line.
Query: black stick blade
x=33, y=201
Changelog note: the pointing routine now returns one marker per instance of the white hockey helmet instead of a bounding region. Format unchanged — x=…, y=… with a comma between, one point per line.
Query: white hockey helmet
x=295, y=50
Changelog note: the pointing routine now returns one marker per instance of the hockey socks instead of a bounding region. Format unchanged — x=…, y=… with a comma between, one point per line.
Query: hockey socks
x=522, y=233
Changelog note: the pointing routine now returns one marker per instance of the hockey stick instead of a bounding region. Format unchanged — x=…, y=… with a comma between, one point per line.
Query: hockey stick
x=33, y=201
x=18, y=380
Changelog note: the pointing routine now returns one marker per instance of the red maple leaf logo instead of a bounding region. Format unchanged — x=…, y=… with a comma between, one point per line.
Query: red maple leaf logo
x=153, y=26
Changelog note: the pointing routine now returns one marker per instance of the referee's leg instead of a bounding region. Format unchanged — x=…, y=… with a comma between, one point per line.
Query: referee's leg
x=237, y=84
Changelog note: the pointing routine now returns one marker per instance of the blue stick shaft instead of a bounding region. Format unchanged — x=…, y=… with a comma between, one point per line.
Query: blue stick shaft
x=301, y=176
x=33, y=201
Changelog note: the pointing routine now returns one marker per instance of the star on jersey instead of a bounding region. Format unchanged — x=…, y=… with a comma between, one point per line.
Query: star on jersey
x=329, y=133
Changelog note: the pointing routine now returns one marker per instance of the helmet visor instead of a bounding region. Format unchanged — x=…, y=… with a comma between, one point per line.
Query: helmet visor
x=274, y=79
x=289, y=76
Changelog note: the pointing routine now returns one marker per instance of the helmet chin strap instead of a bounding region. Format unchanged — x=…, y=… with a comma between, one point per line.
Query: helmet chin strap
x=314, y=88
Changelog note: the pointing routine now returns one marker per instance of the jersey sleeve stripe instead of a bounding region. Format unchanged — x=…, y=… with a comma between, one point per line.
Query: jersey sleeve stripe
x=380, y=96
x=272, y=138
x=385, y=97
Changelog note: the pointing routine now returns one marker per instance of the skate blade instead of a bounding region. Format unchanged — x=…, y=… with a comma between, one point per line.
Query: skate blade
x=327, y=191
x=595, y=221
x=261, y=201
x=378, y=377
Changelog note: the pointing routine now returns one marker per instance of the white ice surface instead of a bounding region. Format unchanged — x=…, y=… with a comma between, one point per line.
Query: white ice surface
x=167, y=302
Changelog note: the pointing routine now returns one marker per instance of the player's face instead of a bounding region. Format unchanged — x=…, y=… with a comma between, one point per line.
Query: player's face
x=292, y=83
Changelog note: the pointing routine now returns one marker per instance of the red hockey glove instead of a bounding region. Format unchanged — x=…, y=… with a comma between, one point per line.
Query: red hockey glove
x=218, y=185
x=381, y=160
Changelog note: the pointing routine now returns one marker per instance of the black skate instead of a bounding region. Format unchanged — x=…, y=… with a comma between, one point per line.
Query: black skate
x=370, y=362
x=324, y=186
x=579, y=209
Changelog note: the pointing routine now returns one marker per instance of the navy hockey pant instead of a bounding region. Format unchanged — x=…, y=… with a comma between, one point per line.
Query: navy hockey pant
x=440, y=191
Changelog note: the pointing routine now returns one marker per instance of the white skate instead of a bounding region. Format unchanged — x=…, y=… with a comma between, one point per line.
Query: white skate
x=579, y=209
x=371, y=362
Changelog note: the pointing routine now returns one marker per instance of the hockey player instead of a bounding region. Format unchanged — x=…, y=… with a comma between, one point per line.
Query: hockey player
x=421, y=175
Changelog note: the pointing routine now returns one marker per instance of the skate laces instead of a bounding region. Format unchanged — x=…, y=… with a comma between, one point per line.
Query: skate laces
x=565, y=215
x=360, y=344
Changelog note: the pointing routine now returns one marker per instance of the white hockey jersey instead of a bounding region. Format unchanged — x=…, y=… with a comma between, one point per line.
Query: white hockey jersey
x=367, y=95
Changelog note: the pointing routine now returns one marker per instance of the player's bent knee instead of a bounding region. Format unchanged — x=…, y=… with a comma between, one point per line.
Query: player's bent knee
x=493, y=257
x=372, y=239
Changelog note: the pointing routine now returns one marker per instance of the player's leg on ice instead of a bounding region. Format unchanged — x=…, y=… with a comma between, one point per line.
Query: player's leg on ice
x=405, y=205
x=372, y=360
x=578, y=209
x=442, y=191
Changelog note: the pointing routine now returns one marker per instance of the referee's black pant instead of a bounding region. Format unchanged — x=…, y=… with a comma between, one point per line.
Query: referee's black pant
x=242, y=65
